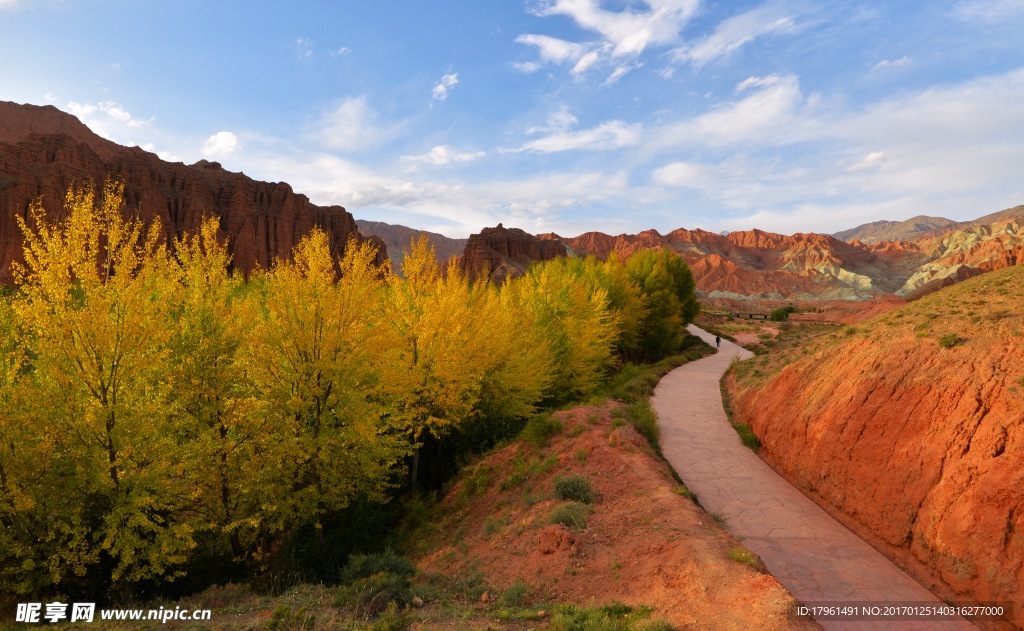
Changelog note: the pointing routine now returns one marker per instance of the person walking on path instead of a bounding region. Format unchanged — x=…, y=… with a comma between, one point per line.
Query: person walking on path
x=718, y=341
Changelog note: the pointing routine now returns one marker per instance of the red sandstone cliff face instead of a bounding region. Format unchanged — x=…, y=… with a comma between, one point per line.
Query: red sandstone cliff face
x=919, y=444
x=500, y=253
x=43, y=151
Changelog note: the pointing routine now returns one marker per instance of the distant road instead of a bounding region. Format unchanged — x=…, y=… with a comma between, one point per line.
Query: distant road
x=815, y=557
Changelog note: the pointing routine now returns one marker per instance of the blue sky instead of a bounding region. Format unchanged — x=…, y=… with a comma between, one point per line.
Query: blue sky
x=557, y=115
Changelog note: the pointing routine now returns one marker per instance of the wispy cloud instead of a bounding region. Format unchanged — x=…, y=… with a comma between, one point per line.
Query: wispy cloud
x=769, y=112
x=892, y=63
x=988, y=10
x=303, y=47
x=351, y=125
x=341, y=52
x=734, y=33
x=623, y=34
x=442, y=155
x=630, y=31
x=606, y=136
x=442, y=87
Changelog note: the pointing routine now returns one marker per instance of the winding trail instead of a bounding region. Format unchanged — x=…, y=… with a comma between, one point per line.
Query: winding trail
x=815, y=557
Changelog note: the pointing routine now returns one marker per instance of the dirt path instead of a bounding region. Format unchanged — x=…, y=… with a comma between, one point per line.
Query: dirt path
x=810, y=553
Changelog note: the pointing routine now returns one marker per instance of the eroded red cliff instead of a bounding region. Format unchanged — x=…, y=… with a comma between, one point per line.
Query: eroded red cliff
x=912, y=426
x=44, y=151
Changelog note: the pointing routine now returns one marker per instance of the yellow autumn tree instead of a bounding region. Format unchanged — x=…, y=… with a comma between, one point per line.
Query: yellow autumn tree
x=573, y=319
x=94, y=292
x=315, y=355
x=444, y=352
x=217, y=412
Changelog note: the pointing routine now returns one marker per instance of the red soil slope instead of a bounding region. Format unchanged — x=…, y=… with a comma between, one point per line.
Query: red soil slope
x=643, y=545
x=911, y=425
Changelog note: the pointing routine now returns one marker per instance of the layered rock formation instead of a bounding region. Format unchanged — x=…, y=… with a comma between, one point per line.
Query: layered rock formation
x=43, y=151
x=912, y=427
x=768, y=266
x=499, y=253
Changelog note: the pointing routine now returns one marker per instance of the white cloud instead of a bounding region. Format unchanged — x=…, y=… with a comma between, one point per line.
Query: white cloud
x=951, y=150
x=988, y=10
x=561, y=119
x=892, y=63
x=443, y=154
x=630, y=31
x=220, y=144
x=681, y=174
x=341, y=52
x=7, y=4
x=554, y=50
x=870, y=161
x=50, y=96
x=734, y=33
x=526, y=67
x=303, y=47
x=108, y=119
x=351, y=126
x=586, y=61
x=606, y=136
x=771, y=112
x=447, y=82
x=618, y=73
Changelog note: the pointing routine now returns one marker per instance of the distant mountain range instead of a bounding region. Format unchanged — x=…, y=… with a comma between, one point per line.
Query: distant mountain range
x=919, y=227
x=44, y=150
x=397, y=239
x=764, y=265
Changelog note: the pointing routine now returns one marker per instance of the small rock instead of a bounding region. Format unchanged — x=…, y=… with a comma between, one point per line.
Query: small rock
x=417, y=602
x=485, y=597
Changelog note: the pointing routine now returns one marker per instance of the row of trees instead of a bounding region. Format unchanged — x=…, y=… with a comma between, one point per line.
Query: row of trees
x=157, y=409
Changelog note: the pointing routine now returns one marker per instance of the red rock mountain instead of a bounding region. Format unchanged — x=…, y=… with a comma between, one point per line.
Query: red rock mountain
x=764, y=265
x=43, y=151
x=500, y=253
x=911, y=427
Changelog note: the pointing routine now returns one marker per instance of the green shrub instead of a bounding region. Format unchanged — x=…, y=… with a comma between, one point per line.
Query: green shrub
x=949, y=340
x=576, y=488
x=392, y=619
x=643, y=418
x=613, y=617
x=366, y=565
x=744, y=556
x=516, y=594
x=369, y=596
x=781, y=314
x=540, y=428
x=286, y=620
x=572, y=515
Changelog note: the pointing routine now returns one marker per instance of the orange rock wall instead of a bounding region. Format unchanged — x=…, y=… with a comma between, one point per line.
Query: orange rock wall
x=921, y=445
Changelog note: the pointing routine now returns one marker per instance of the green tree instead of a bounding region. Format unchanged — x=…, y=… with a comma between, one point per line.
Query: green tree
x=668, y=286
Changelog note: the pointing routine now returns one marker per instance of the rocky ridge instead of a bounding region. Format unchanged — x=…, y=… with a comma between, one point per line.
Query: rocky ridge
x=43, y=151
x=809, y=266
x=499, y=253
